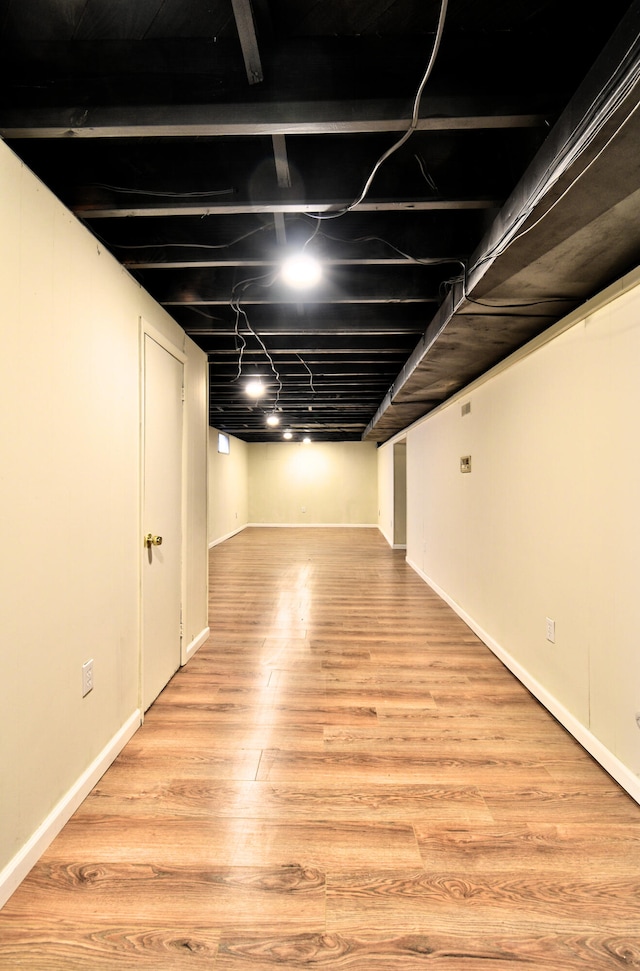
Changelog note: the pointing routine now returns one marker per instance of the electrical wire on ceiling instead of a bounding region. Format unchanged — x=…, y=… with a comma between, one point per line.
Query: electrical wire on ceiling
x=239, y=338
x=515, y=306
x=207, y=246
x=305, y=365
x=203, y=313
x=462, y=278
x=236, y=294
x=426, y=175
x=201, y=193
x=424, y=261
x=592, y=123
x=415, y=117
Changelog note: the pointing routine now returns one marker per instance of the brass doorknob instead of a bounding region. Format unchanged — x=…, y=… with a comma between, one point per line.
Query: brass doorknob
x=151, y=540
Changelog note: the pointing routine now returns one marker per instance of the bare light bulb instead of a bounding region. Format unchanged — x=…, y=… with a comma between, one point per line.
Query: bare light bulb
x=273, y=420
x=306, y=441
x=254, y=388
x=288, y=435
x=301, y=271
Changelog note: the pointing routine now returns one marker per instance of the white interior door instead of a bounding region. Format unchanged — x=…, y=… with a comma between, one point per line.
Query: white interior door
x=161, y=515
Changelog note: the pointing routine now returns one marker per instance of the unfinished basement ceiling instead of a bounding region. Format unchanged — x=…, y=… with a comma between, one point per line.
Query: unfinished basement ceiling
x=201, y=142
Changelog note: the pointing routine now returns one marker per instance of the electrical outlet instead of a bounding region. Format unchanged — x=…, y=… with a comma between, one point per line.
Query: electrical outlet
x=551, y=630
x=87, y=677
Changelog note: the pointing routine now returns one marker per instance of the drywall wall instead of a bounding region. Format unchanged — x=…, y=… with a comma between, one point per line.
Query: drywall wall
x=70, y=499
x=392, y=491
x=324, y=483
x=228, y=488
x=400, y=494
x=385, y=491
x=196, y=594
x=547, y=523
x=386, y=475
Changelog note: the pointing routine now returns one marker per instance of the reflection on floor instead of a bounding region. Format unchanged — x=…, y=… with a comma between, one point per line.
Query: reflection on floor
x=344, y=777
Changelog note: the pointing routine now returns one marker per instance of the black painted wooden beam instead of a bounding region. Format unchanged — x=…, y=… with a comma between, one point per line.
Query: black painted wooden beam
x=281, y=118
x=246, y=27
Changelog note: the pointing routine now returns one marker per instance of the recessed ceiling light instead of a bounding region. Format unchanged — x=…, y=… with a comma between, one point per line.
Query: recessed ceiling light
x=301, y=271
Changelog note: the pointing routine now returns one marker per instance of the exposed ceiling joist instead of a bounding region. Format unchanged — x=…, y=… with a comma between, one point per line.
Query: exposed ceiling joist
x=246, y=27
x=251, y=120
x=263, y=208
x=161, y=264
x=223, y=300
x=281, y=160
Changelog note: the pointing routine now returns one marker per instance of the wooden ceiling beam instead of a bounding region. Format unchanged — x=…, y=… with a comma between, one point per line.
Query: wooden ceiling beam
x=281, y=160
x=279, y=118
x=340, y=299
x=246, y=27
x=262, y=208
x=229, y=262
x=275, y=330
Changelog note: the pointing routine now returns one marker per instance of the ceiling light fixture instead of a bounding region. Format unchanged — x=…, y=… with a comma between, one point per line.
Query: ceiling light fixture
x=288, y=435
x=306, y=441
x=254, y=388
x=273, y=420
x=301, y=271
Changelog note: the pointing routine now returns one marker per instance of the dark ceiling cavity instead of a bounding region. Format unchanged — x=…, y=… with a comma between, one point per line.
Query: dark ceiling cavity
x=463, y=188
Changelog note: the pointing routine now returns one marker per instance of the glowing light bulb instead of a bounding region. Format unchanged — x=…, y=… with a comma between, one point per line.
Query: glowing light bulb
x=301, y=271
x=306, y=441
x=273, y=420
x=254, y=388
x=288, y=435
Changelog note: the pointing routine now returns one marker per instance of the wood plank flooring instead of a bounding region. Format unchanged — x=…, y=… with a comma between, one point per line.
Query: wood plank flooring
x=344, y=777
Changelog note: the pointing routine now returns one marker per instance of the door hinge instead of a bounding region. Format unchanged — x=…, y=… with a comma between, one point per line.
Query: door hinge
x=182, y=394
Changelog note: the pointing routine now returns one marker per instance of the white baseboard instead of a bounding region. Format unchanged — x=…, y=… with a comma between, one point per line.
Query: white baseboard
x=195, y=644
x=221, y=539
x=387, y=539
x=394, y=546
x=315, y=525
x=17, y=869
x=623, y=775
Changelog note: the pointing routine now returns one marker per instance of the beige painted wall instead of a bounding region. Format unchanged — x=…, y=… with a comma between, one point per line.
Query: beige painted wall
x=400, y=493
x=547, y=524
x=386, y=475
x=392, y=491
x=325, y=483
x=70, y=499
x=196, y=604
x=228, y=488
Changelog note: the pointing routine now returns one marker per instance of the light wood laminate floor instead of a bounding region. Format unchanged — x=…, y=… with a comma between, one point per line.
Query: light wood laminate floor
x=344, y=777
